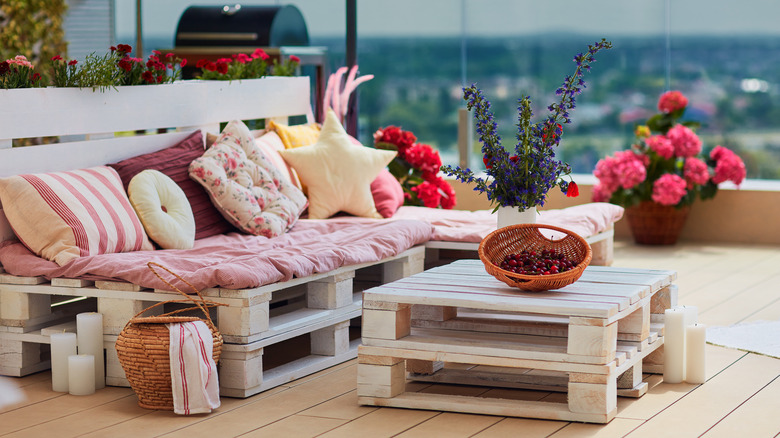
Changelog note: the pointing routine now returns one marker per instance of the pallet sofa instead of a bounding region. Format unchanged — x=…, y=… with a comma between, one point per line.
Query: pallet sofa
x=287, y=325
x=280, y=314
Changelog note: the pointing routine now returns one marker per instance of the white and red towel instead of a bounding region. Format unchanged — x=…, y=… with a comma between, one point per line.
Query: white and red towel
x=193, y=371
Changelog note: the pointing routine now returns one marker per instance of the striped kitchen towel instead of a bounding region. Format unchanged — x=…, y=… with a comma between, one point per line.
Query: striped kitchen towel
x=193, y=372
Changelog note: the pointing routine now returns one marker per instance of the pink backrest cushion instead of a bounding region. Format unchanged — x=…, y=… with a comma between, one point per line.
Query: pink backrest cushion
x=388, y=194
x=175, y=162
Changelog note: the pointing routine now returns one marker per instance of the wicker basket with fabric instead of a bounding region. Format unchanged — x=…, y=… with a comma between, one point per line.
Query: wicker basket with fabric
x=534, y=237
x=143, y=346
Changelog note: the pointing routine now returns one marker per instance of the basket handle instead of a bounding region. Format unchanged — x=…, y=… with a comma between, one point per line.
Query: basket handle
x=205, y=303
x=199, y=303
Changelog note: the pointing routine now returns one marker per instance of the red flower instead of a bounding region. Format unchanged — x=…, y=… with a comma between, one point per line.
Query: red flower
x=222, y=67
x=294, y=58
x=169, y=55
x=260, y=53
x=487, y=159
x=156, y=52
x=573, y=191
x=113, y=49
x=125, y=64
x=72, y=62
x=210, y=66
x=148, y=77
x=4, y=67
x=36, y=77
x=201, y=63
x=672, y=101
x=56, y=58
x=183, y=62
x=242, y=58
x=124, y=48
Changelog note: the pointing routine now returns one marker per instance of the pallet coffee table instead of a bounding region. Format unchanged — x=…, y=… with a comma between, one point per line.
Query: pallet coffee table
x=457, y=324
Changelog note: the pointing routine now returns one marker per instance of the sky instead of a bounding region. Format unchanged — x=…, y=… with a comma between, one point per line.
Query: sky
x=490, y=17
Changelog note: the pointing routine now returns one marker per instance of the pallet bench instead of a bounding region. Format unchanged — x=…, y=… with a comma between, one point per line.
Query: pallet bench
x=457, y=324
x=319, y=306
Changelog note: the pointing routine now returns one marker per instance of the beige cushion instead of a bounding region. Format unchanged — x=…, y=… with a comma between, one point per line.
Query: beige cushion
x=64, y=215
x=338, y=172
x=245, y=186
x=163, y=208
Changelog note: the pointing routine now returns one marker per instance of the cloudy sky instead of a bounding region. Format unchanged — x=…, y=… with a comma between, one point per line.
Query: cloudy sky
x=492, y=17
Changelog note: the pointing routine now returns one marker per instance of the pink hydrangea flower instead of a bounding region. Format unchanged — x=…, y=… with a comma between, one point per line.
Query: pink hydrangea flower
x=624, y=169
x=695, y=172
x=728, y=166
x=600, y=193
x=669, y=189
x=686, y=143
x=661, y=146
x=672, y=101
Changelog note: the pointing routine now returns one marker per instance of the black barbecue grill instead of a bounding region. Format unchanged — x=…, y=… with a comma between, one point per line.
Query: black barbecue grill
x=241, y=26
x=214, y=32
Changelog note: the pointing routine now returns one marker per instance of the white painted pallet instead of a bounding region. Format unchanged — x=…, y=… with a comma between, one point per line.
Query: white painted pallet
x=320, y=306
x=457, y=324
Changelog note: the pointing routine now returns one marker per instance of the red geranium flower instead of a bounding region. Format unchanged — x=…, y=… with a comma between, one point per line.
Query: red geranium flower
x=148, y=77
x=294, y=58
x=222, y=67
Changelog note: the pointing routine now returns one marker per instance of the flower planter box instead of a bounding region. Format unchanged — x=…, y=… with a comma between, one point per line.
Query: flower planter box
x=42, y=112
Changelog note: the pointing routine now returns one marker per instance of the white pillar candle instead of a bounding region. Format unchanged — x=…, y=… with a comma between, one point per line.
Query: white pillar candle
x=696, y=341
x=89, y=327
x=674, y=345
x=62, y=346
x=81, y=374
x=691, y=317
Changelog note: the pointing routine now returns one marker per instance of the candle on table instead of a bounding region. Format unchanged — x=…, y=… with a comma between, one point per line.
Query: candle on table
x=696, y=340
x=81, y=374
x=89, y=327
x=62, y=346
x=674, y=345
x=691, y=317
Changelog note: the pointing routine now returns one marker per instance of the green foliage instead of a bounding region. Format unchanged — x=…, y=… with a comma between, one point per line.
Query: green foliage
x=32, y=28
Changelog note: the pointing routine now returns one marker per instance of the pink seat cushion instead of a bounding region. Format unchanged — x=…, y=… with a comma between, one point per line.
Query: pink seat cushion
x=174, y=162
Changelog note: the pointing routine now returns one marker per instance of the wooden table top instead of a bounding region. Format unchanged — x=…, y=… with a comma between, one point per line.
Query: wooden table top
x=601, y=292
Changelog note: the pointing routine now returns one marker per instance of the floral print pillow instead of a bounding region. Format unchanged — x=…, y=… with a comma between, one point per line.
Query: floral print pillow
x=245, y=186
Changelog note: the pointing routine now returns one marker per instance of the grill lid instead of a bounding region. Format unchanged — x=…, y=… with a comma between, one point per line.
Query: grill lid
x=237, y=25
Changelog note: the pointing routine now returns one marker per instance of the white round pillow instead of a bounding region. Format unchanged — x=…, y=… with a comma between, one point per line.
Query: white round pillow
x=163, y=209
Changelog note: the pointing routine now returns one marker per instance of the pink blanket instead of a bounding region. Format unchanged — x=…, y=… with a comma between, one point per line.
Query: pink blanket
x=472, y=226
x=239, y=261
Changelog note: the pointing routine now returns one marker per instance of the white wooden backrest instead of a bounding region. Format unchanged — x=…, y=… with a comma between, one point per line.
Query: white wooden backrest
x=183, y=106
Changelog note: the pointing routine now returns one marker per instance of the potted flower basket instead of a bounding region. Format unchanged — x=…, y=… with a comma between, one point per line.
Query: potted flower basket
x=663, y=173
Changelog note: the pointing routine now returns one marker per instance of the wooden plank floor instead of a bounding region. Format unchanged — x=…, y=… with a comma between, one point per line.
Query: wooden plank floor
x=729, y=284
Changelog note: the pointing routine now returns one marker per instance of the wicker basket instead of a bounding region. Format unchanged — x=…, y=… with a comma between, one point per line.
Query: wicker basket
x=143, y=346
x=515, y=238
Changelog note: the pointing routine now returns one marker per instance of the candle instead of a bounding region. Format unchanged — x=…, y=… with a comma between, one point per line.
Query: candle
x=691, y=317
x=674, y=345
x=81, y=374
x=89, y=327
x=696, y=340
x=62, y=346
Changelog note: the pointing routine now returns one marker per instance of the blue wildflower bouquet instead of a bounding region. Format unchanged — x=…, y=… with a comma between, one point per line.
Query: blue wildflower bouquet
x=523, y=179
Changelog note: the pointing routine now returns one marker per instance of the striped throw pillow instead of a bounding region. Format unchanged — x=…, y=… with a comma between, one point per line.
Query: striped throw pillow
x=64, y=215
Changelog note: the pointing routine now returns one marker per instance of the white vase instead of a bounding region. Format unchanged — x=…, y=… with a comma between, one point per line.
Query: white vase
x=507, y=216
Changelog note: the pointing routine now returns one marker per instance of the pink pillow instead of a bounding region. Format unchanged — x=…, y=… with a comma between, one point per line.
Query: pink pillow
x=175, y=162
x=388, y=194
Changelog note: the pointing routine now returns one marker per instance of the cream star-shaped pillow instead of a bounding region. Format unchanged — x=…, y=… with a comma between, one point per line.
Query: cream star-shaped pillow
x=338, y=172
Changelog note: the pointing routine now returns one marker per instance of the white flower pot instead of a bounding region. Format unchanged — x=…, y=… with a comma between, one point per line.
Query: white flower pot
x=507, y=216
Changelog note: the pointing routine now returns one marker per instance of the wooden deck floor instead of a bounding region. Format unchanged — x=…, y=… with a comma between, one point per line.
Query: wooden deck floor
x=741, y=398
